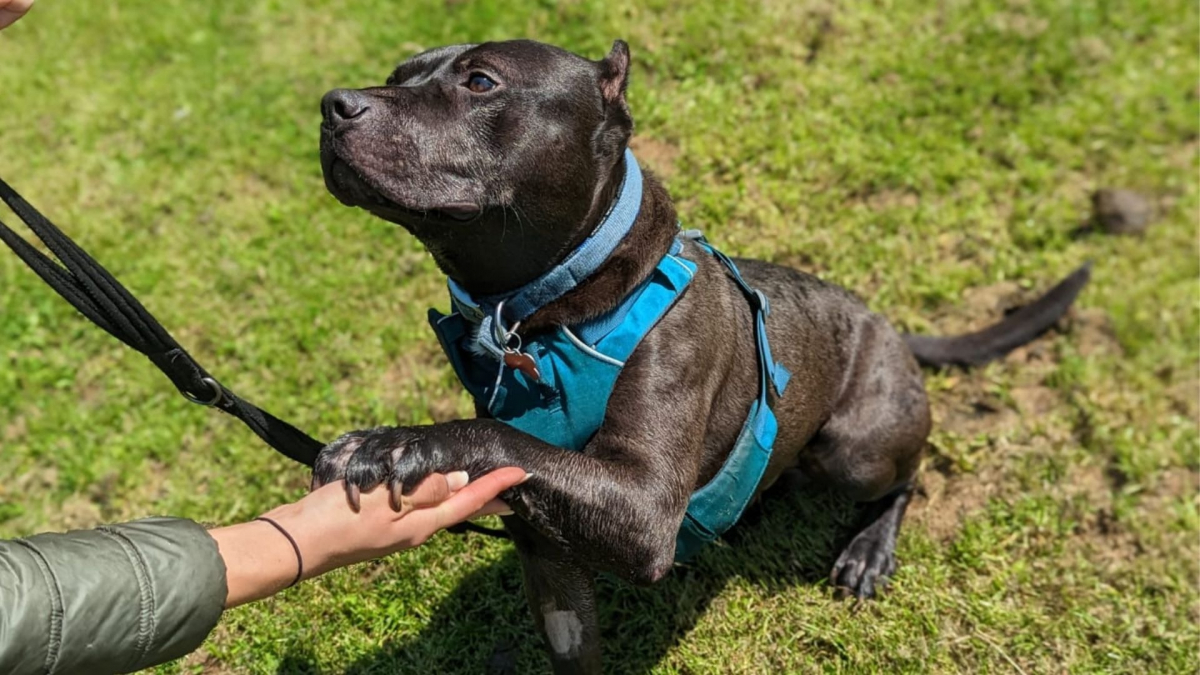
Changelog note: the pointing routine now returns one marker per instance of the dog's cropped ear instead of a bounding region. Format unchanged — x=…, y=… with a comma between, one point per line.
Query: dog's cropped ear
x=614, y=73
x=614, y=132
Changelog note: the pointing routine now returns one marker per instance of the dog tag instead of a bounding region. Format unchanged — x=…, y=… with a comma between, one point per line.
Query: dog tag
x=522, y=362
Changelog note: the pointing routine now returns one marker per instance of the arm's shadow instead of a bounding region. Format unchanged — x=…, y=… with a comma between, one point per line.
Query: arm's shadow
x=791, y=538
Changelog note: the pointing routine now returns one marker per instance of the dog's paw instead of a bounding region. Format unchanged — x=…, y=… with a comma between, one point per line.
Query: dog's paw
x=865, y=566
x=366, y=459
x=333, y=458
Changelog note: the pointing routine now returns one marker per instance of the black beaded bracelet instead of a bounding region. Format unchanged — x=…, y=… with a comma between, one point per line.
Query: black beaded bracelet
x=296, y=548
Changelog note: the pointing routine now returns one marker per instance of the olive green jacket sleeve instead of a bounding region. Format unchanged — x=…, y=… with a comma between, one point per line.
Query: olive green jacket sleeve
x=111, y=600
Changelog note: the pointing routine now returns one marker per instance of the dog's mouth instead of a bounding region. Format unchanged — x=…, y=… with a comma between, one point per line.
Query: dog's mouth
x=352, y=189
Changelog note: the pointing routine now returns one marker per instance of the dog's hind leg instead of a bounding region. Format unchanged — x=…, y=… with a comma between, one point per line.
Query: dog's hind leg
x=870, y=450
x=561, y=594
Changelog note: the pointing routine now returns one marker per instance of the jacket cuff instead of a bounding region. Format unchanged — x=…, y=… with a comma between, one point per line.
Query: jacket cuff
x=184, y=587
x=126, y=597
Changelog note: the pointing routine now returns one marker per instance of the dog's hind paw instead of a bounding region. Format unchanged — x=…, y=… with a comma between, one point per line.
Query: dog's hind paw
x=866, y=565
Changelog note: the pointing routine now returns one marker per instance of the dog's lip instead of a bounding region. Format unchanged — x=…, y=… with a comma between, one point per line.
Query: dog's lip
x=460, y=210
x=364, y=191
x=377, y=199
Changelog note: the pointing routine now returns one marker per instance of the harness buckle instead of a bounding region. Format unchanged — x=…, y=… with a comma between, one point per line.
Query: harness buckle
x=760, y=302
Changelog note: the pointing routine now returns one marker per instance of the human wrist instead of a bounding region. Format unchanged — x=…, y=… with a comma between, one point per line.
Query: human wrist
x=259, y=561
x=307, y=530
x=291, y=542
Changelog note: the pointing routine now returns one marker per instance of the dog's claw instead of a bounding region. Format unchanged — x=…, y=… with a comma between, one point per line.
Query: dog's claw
x=396, y=492
x=863, y=569
x=352, y=495
x=866, y=586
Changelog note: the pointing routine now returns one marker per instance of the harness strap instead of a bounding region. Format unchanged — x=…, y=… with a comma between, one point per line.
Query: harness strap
x=717, y=506
x=102, y=299
x=762, y=309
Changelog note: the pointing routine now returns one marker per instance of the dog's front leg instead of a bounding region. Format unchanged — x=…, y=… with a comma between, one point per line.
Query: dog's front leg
x=617, y=505
x=561, y=596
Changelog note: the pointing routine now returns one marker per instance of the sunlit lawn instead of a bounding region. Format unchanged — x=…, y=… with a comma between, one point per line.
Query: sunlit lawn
x=933, y=157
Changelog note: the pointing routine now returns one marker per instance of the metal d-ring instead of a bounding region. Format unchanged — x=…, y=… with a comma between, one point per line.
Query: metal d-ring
x=218, y=392
x=499, y=332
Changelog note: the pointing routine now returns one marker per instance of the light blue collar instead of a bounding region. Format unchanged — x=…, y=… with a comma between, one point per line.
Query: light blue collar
x=493, y=314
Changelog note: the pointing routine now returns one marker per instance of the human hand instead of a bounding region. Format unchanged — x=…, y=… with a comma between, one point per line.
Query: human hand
x=260, y=561
x=11, y=10
x=330, y=535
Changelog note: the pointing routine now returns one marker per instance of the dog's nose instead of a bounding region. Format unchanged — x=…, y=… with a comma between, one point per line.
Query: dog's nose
x=343, y=105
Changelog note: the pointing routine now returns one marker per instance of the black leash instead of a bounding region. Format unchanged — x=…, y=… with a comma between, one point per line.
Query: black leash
x=97, y=295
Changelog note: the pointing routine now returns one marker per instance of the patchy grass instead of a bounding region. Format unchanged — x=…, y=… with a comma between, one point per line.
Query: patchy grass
x=933, y=157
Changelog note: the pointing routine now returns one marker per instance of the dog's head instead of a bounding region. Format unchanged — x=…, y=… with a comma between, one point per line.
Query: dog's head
x=508, y=146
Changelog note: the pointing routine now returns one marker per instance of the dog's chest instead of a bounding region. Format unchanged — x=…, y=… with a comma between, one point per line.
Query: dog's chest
x=563, y=398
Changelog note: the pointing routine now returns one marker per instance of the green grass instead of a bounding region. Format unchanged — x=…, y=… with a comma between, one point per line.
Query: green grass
x=933, y=157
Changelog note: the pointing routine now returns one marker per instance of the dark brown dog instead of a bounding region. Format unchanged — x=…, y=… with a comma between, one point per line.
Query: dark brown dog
x=501, y=158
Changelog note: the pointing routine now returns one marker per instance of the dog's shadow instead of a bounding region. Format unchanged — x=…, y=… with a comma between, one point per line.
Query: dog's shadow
x=791, y=537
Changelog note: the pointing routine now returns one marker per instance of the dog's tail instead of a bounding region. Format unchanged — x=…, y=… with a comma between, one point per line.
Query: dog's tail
x=1016, y=329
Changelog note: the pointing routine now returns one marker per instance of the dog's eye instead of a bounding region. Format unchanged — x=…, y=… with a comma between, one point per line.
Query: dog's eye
x=479, y=83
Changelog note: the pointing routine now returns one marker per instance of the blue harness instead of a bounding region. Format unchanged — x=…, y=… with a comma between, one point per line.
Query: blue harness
x=556, y=386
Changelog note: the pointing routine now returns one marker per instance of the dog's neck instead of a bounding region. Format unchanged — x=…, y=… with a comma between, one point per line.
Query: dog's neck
x=631, y=262
x=482, y=265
